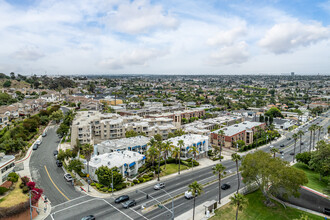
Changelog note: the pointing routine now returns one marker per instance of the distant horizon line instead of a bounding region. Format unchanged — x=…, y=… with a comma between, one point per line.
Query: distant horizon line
x=169, y=74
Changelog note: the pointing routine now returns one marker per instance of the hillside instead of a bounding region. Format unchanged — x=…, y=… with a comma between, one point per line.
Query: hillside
x=15, y=84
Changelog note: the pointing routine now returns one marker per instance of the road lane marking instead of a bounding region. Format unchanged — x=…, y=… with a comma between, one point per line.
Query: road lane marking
x=138, y=213
x=117, y=209
x=55, y=184
x=63, y=203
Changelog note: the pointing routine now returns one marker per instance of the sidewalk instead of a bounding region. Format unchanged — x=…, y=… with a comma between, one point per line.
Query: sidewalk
x=26, y=172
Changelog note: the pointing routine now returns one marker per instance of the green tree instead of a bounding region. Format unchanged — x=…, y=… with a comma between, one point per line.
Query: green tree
x=304, y=157
x=104, y=176
x=175, y=154
x=62, y=130
x=195, y=189
x=239, y=201
x=219, y=171
x=236, y=158
x=274, y=151
x=160, y=146
x=181, y=145
x=152, y=154
x=131, y=133
x=7, y=84
x=239, y=143
x=168, y=147
x=271, y=175
x=57, y=116
x=75, y=165
x=320, y=159
x=274, y=112
x=311, y=136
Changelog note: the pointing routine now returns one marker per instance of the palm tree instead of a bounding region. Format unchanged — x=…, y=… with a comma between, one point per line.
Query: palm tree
x=175, y=154
x=167, y=148
x=236, y=157
x=87, y=150
x=195, y=189
x=194, y=151
x=300, y=133
x=319, y=128
x=181, y=144
x=220, y=171
x=310, y=144
x=239, y=201
x=295, y=136
x=221, y=133
x=160, y=147
x=152, y=154
x=274, y=151
x=314, y=132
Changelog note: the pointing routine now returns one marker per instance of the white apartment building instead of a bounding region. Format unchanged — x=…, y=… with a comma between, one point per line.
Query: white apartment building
x=128, y=163
x=93, y=126
x=136, y=144
x=192, y=140
x=7, y=165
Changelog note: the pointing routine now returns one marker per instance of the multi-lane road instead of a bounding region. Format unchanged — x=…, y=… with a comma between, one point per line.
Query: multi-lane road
x=70, y=204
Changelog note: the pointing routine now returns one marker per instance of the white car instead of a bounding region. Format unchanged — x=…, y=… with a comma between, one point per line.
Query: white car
x=68, y=177
x=271, y=146
x=159, y=186
x=38, y=142
x=188, y=195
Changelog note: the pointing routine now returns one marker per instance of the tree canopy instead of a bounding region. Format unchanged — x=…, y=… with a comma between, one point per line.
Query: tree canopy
x=274, y=113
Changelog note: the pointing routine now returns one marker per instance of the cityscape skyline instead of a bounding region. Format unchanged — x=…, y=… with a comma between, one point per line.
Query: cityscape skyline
x=165, y=37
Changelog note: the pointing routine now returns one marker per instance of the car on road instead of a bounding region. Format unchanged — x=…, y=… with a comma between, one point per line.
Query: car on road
x=68, y=177
x=122, y=198
x=44, y=134
x=35, y=147
x=59, y=163
x=271, y=146
x=89, y=217
x=302, y=143
x=188, y=195
x=289, y=139
x=281, y=152
x=282, y=145
x=129, y=203
x=55, y=153
x=159, y=186
x=225, y=186
x=291, y=153
x=38, y=142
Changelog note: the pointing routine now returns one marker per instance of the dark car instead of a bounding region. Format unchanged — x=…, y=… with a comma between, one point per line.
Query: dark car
x=129, y=203
x=225, y=186
x=291, y=153
x=289, y=139
x=281, y=152
x=89, y=217
x=44, y=134
x=59, y=163
x=55, y=153
x=122, y=198
x=302, y=143
x=282, y=145
x=35, y=147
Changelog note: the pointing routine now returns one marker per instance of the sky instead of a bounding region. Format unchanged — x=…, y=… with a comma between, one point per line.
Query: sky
x=164, y=37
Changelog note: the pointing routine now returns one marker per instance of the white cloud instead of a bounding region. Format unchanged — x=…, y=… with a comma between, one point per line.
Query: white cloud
x=139, y=17
x=233, y=54
x=29, y=53
x=132, y=58
x=285, y=37
x=227, y=37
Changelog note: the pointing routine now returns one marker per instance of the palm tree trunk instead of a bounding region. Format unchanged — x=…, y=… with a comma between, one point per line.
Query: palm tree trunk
x=294, y=150
x=219, y=188
x=274, y=154
x=158, y=167
x=238, y=182
x=314, y=140
x=318, y=139
x=237, y=211
x=179, y=159
x=165, y=160
x=194, y=208
x=310, y=144
x=300, y=144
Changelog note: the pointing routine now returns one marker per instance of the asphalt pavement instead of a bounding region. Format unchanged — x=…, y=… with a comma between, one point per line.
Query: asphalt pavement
x=46, y=174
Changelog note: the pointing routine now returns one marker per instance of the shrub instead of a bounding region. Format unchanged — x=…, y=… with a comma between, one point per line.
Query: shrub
x=3, y=190
x=214, y=159
x=145, y=176
x=120, y=186
x=13, y=177
x=136, y=181
x=25, y=189
x=25, y=180
x=31, y=185
x=141, y=179
x=132, y=184
x=92, y=184
x=21, y=185
x=151, y=175
x=98, y=185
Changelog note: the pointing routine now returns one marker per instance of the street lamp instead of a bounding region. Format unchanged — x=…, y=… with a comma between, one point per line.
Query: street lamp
x=172, y=202
x=37, y=208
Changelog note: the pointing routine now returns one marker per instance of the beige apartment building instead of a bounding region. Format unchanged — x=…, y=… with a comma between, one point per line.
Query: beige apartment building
x=93, y=126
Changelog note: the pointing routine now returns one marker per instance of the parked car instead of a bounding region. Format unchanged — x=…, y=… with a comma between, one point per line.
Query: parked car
x=302, y=143
x=122, y=198
x=188, y=195
x=225, y=186
x=55, y=153
x=35, y=147
x=89, y=217
x=326, y=211
x=38, y=142
x=59, y=163
x=282, y=145
x=68, y=177
x=44, y=134
x=271, y=146
x=159, y=186
x=129, y=203
x=291, y=153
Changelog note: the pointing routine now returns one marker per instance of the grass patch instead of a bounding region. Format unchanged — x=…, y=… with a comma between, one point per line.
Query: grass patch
x=14, y=197
x=256, y=210
x=171, y=168
x=313, y=178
